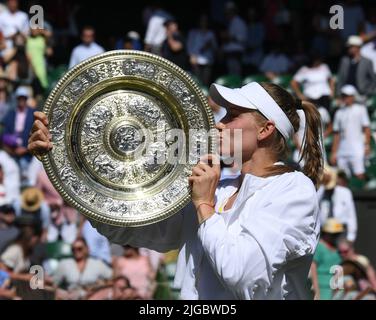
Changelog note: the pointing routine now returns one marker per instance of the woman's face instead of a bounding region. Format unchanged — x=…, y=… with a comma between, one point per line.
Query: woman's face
x=238, y=132
x=80, y=250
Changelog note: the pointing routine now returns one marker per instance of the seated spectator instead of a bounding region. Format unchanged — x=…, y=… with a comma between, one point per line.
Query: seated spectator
x=337, y=202
x=87, y=49
x=326, y=257
x=352, y=135
x=347, y=252
x=16, y=257
x=119, y=289
x=12, y=21
x=234, y=40
x=317, y=82
x=174, y=48
x=8, y=229
x=64, y=224
x=275, y=63
x=17, y=126
x=12, y=179
x=77, y=273
x=138, y=270
x=356, y=70
x=201, y=47
x=131, y=42
x=255, y=39
x=5, y=103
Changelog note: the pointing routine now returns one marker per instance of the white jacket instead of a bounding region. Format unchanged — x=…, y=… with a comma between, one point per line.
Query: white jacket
x=259, y=249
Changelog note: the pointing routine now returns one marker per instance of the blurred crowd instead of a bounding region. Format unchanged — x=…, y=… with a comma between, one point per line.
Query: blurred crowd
x=282, y=41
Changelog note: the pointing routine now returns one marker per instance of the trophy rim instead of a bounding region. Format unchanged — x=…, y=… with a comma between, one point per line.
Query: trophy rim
x=46, y=158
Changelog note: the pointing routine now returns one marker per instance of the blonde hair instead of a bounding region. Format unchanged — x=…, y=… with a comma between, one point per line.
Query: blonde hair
x=312, y=150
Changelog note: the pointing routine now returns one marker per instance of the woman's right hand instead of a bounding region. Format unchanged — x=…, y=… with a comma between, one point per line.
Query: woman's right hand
x=40, y=138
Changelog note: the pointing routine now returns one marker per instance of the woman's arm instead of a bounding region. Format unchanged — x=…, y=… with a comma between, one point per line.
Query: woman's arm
x=315, y=280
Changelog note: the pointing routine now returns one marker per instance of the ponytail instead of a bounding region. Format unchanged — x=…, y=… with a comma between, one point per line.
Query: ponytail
x=312, y=143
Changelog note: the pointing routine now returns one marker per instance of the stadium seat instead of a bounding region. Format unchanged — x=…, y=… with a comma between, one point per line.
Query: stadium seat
x=58, y=250
x=254, y=77
x=231, y=81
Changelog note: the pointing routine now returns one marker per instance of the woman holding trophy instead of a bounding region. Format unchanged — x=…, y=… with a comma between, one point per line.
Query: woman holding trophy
x=252, y=237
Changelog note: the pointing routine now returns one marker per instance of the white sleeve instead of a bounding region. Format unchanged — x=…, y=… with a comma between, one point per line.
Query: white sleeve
x=283, y=229
x=336, y=122
x=327, y=71
x=299, y=75
x=162, y=236
x=352, y=224
x=73, y=59
x=152, y=29
x=365, y=118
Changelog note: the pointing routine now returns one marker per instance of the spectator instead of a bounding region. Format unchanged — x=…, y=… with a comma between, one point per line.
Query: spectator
x=4, y=95
x=326, y=257
x=138, y=270
x=87, y=49
x=353, y=18
x=17, y=126
x=16, y=256
x=317, y=82
x=275, y=63
x=33, y=209
x=64, y=224
x=356, y=70
x=36, y=49
x=255, y=40
x=18, y=66
x=156, y=32
x=368, y=36
x=12, y=22
x=337, y=202
x=201, y=47
x=11, y=176
x=174, y=48
x=347, y=252
x=350, y=147
x=122, y=289
x=132, y=41
x=8, y=229
x=81, y=270
x=234, y=40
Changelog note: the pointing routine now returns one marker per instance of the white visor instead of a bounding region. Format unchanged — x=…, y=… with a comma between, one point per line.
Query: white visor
x=253, y=96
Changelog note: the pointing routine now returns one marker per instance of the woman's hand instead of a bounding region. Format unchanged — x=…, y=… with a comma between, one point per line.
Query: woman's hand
x=40, y=138
x=204, y=181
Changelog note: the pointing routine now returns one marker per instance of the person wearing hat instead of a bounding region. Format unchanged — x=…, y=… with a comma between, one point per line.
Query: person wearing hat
x=17, y=124
x=356, y=70
x=337, y=202
x=352, y=135
x=252, y=237
x=325, y=259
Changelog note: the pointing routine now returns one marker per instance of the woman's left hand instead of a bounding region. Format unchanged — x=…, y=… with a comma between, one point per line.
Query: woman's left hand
x=204, y=180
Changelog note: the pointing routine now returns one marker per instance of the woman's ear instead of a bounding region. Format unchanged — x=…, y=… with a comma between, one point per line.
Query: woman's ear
x=266, y=131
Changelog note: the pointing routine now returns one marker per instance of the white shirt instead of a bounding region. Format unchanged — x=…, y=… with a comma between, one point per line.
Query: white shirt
x=343, y=209
x=314, y=80
x=83, y=52
x=11, y=23
x=156, y=31
x=369, y=51
x=350, y=121
x=12, y=179
x=259, y=249
x=277, y=63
